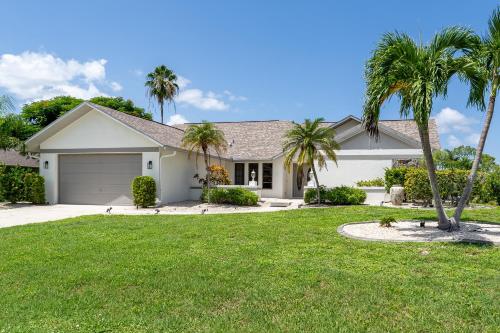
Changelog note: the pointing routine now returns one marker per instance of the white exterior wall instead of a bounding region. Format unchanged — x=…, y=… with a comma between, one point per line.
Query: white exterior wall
x=176, y=175
x=50, y=175
x=154, y=171
x=96, y=130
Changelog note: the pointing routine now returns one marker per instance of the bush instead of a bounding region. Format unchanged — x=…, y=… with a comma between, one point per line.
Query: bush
x=233, y=196
x=417, y=186
x=342, y=195
x=34, y=188
x=395, y=176
x=2, y=172
x=386, y=221
x=218, y=176
x=371, y=183
x=12, y=183
x=144, y=191
x=490, y=190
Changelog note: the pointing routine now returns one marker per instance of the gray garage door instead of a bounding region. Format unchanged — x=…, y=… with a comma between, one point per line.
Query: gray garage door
x=102, y=179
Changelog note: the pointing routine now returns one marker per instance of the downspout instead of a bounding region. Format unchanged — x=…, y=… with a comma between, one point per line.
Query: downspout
x=160, y=170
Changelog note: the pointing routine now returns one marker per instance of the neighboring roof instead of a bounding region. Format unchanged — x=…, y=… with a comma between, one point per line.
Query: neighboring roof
x=248, y=140
x=253, y=140
x=12, y=157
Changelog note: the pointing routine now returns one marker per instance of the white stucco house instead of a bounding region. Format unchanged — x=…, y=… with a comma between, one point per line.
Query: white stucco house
x=91, y=154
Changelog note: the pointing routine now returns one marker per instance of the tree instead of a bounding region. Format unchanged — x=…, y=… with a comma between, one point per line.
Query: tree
x=42, y=113
x=310, y=142
x=122, y=105
x=487, y=56
x=416, y=74
x=204, y=136
x=13, y=129
x=462, y=158
x=162, y=86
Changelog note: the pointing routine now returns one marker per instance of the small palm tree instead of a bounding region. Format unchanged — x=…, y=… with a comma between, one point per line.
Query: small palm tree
x=487, y=57
x=162, y=86
x=310, y=142
x=417, y=74
x=203, y=137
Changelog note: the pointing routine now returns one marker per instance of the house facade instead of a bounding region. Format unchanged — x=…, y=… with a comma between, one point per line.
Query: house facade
x=91, y=154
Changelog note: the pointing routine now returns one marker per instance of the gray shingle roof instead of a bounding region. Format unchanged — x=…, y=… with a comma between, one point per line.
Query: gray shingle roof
x=248, y=140
x=11, y=157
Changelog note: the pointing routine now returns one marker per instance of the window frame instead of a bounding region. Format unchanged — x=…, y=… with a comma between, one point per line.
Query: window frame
x=267, y=167
x=236, y=175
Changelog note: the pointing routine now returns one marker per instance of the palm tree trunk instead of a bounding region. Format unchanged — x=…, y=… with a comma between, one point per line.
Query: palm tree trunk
x=207, y=168
x=477, y=160
x=161, y=112
x=318, y=192
x=443, y=221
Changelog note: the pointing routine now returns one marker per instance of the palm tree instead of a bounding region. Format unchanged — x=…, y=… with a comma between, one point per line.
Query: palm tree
x=162, y=86
x=310, y=142
x=203, y=137
x=418, y=73
x=488, y=58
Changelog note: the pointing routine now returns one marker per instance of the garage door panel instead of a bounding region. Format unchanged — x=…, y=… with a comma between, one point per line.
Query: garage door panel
x=98, y=178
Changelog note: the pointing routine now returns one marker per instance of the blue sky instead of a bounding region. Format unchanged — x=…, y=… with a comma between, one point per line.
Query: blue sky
x=237, y=60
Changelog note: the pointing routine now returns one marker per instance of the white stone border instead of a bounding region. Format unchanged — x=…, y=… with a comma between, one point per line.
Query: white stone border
x=340, y=230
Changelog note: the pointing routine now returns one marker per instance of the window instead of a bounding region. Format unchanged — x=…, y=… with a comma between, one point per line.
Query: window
x=253, y=167
x=239, y=173
x=267, y=175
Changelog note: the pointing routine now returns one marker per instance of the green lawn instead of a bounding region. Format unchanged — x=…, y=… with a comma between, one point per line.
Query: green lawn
x=286, y=271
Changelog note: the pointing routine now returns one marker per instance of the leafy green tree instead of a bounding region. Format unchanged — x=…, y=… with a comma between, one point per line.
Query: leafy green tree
x=13, y=129
x=416, y=74
x=462, y=158
x=162, y=86
x=310, y=142
x=203, y=137
x=42, y=113
x=122, y=105
x=487, y=57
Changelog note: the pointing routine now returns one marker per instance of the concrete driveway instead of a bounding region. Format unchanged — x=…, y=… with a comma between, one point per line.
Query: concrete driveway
x=20, y=214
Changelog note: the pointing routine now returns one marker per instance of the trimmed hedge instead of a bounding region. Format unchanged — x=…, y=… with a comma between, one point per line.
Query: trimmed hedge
x=395, y=176
x=342, y=195
x=12, y=183
x=377, y=182
x=34, y=188
x=144, y=191
x=233, y=196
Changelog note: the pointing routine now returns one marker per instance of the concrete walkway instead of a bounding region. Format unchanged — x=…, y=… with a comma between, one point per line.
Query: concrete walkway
x=19, y=214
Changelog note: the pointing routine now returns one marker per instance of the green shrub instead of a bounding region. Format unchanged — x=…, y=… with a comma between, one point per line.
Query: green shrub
x=417, y=186
x=371, y=183
x=233, y=196
x=2, y=172
x=34, y=188
x=490, y=190
x=386, y=221
x=144, y=191
x=12, y=183
x=395, y=176
x=342, y=195
x=311, y=195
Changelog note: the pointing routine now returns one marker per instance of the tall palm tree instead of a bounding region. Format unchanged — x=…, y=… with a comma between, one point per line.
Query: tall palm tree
x=488, y=58
x=162, y=86
x=310, y=142
x=418, y=73
x=203, y=137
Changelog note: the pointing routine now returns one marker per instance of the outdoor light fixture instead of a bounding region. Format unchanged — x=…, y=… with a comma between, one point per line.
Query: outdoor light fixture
x=46, y=164
x=253, y=175
x=150, y=165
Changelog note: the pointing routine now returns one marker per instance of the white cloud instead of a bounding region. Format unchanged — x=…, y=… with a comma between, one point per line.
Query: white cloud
x=176, y=119
x=453, y=141
x=472, y=139
x=201, y=100
x=115, y=86
x=34, y=76
x=138, y=72
x=450, y=120
x=182, y=82
x=233, y=97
